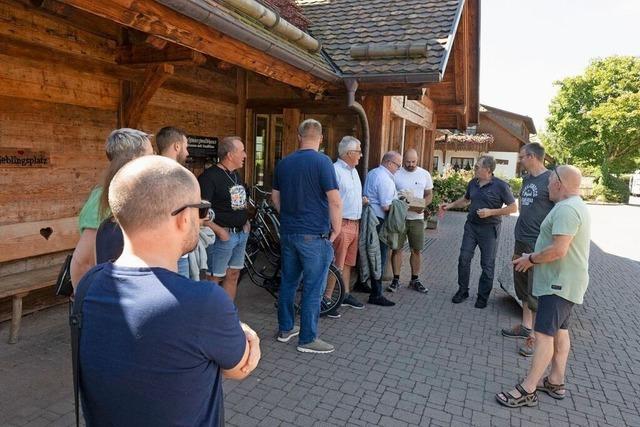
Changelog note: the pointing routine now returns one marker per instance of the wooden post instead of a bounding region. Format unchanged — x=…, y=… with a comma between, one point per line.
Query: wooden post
x=241, y=106
x=378, y=109
x=16, y=318
x=291, y=118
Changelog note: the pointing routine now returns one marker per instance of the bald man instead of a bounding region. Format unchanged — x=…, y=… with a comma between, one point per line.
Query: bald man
x=153, y=343
x=560, y=280
x=417, y=181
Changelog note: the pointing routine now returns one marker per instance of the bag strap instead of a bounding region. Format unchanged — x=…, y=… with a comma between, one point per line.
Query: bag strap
x=75, y=322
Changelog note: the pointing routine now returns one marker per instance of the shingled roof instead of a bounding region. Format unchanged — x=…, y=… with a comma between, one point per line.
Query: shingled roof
x=340, y=24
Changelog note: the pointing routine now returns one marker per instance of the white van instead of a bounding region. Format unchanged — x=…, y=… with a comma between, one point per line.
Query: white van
x=634, y=184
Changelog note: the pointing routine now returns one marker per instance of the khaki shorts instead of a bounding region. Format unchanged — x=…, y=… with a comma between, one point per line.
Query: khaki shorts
x=523, y=282
x=346, y=244
x=415, y=233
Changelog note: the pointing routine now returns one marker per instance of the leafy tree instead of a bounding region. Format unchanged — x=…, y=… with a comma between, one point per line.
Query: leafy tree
x=595, y=117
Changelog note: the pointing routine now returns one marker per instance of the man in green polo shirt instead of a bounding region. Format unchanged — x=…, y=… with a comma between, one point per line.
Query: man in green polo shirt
x=560, y=280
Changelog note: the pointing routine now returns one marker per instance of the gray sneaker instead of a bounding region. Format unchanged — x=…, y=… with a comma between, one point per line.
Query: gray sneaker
x=317, y=346
x=286, y=336
x=526, y=350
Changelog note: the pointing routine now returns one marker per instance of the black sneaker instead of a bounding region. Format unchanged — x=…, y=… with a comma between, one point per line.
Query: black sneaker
x=382, y=301
x=460, y=296
x=394, y=286
x=333, y=313
x=480, y=303
x=362, y=287
x=418, y=286
x=351, y=301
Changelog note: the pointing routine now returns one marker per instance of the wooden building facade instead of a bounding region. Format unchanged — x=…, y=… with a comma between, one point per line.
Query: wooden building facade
x=73, y=70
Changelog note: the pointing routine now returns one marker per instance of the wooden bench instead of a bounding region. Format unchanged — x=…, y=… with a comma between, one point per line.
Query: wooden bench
x=18, y=286
x=30, y=240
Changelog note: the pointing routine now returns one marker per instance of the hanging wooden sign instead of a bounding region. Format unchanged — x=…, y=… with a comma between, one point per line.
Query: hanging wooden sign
x=23, y=158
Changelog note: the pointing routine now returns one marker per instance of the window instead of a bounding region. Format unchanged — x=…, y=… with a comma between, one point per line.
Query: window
x=436, y=162
x=465, y=163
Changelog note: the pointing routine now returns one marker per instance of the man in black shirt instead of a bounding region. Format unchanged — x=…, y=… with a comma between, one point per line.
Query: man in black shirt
x=486, y=195
x=223, y=187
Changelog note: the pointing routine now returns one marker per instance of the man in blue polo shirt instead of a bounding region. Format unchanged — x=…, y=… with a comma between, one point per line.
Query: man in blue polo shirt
x=486, y=195
x=305, y=192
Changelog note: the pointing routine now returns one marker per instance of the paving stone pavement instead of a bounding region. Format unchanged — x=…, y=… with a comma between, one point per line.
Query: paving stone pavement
x=423, y=362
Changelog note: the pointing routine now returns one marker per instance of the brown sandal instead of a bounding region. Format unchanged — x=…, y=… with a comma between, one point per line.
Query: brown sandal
x=526, y=399
x=552, y=389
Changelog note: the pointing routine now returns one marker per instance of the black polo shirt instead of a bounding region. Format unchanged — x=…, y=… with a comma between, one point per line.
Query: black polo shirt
x=492, y=195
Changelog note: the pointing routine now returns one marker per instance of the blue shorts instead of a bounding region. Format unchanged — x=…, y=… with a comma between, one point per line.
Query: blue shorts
x=553, y=314
x=223, y=255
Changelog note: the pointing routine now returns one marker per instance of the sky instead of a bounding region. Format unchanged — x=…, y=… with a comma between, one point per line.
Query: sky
x=526, y=45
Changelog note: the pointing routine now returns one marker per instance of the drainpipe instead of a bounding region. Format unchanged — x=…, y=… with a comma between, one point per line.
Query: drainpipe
x=352, y=87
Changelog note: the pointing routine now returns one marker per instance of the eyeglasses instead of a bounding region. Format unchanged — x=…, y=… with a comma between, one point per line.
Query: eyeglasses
x=203, y=209
x=558, y=175
x=398, y=165
x=356, y=151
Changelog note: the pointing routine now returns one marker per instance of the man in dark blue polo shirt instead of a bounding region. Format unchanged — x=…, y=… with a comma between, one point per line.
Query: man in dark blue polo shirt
x=305, y=192
x=486, y=195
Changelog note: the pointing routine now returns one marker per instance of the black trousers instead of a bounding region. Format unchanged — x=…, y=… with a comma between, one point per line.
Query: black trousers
x=484, y=236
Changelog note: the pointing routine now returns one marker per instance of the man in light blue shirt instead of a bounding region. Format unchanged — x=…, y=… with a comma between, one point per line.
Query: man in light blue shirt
x=380, y=190
x=345, y=246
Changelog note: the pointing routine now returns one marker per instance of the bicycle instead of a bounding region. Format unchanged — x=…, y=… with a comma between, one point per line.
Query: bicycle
x=262, y=256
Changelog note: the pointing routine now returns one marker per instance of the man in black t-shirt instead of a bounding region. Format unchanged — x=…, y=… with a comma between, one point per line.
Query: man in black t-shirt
x=223, y=187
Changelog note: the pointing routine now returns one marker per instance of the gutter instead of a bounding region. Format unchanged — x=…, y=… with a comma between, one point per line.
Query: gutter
x=410, y=78
x=224, y=22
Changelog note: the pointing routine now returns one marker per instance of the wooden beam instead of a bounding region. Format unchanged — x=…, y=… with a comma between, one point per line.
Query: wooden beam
x=451, y=109
x=146, y=54
x=241, y=105
x=134, y=105
x=280, y=103
x=291, y=118
x=150, y=17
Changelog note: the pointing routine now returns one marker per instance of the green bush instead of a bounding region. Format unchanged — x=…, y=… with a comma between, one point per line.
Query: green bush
x=516, y=186
x=611, y=189
x=448, y=189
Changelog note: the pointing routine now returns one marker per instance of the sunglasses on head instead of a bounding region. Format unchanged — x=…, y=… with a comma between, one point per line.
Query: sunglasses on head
x=203, y=209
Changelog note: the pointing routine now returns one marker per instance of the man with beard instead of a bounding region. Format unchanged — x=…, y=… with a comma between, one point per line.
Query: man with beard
x=153, y=344
x=417, y=181
x=172, y=143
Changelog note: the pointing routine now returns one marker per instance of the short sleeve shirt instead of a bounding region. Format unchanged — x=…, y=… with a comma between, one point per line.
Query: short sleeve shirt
x=152, y=347
x=534, y=207
x=350, y=189
x=379, y=189
x=303, y=179
x=227, y=194
x=90, y=213
x=492, y=195
x=417, y=182
x=567, y=277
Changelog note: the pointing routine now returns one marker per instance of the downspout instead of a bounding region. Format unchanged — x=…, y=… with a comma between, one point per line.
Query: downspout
x=352, y=87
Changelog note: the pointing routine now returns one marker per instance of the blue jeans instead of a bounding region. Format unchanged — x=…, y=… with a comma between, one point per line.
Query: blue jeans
x=304, y=257
x=486, y=237
x=183, y=267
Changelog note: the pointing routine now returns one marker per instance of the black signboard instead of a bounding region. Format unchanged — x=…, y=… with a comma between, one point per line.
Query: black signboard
x=202, y=147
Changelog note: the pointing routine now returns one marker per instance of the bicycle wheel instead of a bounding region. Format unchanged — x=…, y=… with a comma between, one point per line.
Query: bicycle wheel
x=334, y=289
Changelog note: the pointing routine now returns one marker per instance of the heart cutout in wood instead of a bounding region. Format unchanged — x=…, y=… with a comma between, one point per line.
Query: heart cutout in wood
x=46, y=232
x=21, y=152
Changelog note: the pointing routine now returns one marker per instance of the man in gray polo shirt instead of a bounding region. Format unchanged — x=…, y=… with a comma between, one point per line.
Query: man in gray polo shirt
x=534, y=207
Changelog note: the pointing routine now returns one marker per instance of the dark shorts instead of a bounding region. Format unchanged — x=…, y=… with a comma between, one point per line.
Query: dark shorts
x=553, y=314
x=523, y=282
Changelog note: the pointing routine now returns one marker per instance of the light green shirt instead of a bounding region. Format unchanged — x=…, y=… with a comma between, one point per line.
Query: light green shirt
x=567, y=277
x=90, y=213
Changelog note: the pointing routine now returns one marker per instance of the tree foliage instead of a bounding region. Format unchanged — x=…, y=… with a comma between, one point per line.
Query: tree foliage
x=595, y=117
